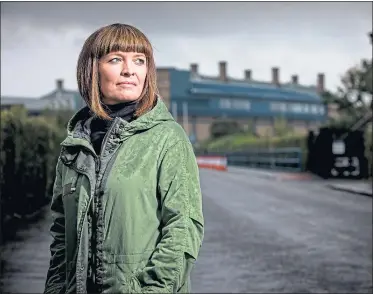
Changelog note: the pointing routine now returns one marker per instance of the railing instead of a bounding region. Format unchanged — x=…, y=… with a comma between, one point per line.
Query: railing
x=276, y=158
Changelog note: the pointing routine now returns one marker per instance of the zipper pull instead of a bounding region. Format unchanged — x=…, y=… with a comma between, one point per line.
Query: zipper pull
x=74, y=184
x=98, y=166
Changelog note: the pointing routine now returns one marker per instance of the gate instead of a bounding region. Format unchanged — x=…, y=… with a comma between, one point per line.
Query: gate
x=337, y=153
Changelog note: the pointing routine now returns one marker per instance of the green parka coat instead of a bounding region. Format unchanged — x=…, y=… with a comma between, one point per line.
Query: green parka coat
x=144, y=193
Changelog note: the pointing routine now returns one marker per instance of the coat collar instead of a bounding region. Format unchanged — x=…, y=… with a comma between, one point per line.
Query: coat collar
x=78, y=128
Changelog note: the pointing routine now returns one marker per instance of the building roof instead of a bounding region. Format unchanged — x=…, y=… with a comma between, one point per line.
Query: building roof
x=29, y=103
x=56, y=98
x=62, y=92
x=246, y=88
x=255, y=83
x=261, y=90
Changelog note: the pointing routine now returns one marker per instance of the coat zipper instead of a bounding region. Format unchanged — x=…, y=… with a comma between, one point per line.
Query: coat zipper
x=97, y=189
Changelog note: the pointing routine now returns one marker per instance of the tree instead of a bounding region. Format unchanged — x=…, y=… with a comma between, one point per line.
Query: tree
x=355, y=95
x=60, y=116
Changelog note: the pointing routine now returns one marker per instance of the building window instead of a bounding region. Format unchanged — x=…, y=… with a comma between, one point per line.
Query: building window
x=296, y=107
x=277, y=106
x=242, y=104
x=234, y=104
x=314, y=109
x=225, y=103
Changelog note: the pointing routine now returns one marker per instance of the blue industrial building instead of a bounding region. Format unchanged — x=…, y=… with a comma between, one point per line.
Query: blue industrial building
x=197, y=101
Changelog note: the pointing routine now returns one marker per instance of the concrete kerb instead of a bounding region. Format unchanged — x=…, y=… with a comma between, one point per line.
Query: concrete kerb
x=356, y=191
x=284, y=175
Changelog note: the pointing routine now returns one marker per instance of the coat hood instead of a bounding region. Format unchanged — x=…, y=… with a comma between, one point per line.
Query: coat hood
x=78, y=127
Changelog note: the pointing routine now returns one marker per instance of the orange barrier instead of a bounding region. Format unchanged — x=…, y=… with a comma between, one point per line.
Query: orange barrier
x=212, y=162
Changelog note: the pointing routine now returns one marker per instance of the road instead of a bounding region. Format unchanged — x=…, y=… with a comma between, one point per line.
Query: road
x=262, y=235
x=27, y=258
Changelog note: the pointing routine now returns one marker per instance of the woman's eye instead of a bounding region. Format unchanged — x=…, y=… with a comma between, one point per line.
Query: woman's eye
x=115, y=60
x=140, y=61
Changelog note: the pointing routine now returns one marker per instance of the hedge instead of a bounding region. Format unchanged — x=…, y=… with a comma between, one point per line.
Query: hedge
x=29, y=150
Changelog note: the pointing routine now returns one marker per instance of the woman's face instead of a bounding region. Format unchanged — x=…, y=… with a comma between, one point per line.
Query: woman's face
x=122, y=76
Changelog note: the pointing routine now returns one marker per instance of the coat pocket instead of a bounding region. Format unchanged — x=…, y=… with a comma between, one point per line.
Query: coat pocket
x=126, y=265
x=71, y=186
x=70, y=190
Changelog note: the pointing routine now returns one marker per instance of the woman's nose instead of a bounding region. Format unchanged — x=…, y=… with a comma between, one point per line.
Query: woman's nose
x=127, y=68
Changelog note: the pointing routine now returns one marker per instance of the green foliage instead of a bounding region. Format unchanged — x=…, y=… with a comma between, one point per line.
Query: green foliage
x=281, y=127
x=224, y=127
x=243, y=141
x=354, y=97
x=59, y=117
x=29, y=150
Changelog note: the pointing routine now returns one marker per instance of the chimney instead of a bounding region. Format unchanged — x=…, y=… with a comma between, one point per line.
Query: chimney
x=194, y=67
x=222, y=71
x=248, y=74
x=295, y=79
x=275, y=75
x=321, y=82
x=60, y=84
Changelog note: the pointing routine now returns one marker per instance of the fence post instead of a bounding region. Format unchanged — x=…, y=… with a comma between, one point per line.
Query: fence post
x=300, y=153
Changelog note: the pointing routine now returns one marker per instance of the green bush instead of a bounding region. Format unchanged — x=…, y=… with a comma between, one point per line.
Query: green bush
x=243, y=141
x=224, y=127
x=29, y=150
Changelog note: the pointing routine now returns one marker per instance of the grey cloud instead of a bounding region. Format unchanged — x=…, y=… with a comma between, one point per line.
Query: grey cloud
x=44, y=38
x=190, y=18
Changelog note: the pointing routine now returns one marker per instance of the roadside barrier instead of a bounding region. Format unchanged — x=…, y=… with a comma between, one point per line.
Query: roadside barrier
x=287, y=159
x=212, y=162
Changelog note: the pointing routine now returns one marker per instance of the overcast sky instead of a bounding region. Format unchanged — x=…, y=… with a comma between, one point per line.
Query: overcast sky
x=40, y=42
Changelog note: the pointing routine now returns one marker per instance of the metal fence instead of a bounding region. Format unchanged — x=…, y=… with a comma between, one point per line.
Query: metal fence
x=276, y=159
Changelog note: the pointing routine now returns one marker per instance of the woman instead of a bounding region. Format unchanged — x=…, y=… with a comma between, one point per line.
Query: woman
x=126, y=205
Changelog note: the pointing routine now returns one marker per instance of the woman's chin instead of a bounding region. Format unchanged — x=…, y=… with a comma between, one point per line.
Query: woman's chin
x=121, y=99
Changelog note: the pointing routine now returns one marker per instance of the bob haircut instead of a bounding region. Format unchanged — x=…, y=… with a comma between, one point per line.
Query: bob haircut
x=111, y=38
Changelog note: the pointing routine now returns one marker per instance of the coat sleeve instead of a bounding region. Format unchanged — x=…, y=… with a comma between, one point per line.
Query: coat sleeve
x=55, y=282
x=182, y=225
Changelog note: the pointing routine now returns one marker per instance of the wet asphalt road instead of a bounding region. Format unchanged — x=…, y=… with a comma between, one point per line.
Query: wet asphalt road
x=266, y=235
x=262, y=235
x=26, y=258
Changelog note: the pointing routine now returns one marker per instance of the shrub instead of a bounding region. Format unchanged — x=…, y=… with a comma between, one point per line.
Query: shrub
x=29, y=150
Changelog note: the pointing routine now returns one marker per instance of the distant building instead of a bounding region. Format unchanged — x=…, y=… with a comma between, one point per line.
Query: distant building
x=196, y=101
x=65, y=98
x=57, y=99
x=33, y=105
x=203, y=100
